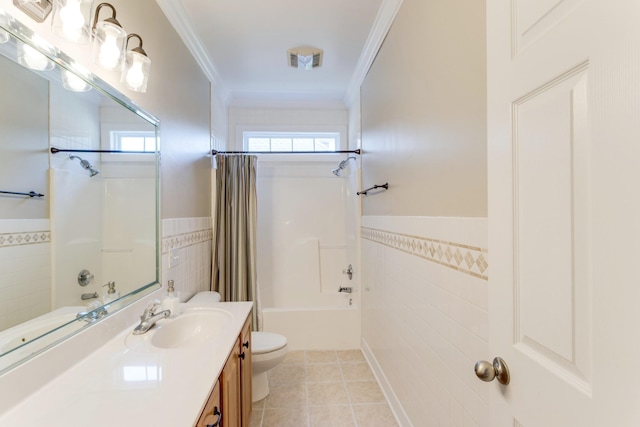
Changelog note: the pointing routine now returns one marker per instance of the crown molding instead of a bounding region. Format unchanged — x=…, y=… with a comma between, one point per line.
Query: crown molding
x=386, y=14
x=174, y=12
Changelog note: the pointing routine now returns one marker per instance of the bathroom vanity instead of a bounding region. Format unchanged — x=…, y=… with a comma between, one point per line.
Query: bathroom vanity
x=171, y=376
x=229, y=403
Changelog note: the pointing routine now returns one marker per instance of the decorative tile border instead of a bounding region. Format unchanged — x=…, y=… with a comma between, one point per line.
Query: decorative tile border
x=24, y=238
x=463, y=258
x=186, y=239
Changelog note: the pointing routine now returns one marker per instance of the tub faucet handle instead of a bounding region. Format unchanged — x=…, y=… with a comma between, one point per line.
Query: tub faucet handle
x=346, y=289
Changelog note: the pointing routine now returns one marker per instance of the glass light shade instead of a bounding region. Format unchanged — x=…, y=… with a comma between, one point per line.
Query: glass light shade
x=31, y=58
x=135, y=74
x=4, y=22
x=72, y=82
x=108, y=45
x=71, y=19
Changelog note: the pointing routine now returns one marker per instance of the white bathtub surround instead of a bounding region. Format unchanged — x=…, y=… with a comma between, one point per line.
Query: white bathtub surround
x=315, y=328
x=25, y=270
x=186, y=254
x=306, y=239
x=425, y=320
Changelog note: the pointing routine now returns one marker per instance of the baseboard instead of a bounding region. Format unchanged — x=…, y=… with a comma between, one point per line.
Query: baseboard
x=395, y=405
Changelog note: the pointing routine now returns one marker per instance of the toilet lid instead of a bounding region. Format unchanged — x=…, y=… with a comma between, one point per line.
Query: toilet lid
x=264, y=342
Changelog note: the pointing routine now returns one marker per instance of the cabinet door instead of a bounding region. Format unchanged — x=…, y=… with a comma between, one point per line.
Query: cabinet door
x=245, y=371
x=211, y=416
x=230, y=380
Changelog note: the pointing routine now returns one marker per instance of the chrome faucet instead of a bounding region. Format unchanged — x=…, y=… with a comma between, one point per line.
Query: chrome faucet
x=150, y=317
x=93, y=315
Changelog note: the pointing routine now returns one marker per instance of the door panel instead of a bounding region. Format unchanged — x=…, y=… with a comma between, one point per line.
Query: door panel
x=564, y=211
x=551, y=225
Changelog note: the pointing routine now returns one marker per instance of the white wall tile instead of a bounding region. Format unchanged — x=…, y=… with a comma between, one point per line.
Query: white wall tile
x=25, y=270
x=191, y=239
x=426, y=322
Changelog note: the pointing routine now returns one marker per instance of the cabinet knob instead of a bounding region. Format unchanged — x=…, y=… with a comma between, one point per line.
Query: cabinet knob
x=241, y=355
x=217, y=413
x=245, y=344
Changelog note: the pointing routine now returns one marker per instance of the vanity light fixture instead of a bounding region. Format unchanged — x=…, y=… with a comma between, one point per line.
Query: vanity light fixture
x=71, y=80
x=109, y=40
x=71, y=19
x=31, y=58
x=135, y=74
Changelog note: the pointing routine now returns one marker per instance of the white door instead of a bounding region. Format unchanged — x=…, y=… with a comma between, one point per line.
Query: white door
x=564, y=211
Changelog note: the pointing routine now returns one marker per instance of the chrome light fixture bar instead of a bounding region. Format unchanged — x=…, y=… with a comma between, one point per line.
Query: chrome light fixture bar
x=38, y=10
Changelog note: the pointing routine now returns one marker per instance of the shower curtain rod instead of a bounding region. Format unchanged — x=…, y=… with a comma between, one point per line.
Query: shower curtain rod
x=55, y=150
x=214, y=152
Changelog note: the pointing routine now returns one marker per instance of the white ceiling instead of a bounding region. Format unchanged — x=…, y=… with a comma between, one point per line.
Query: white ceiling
x=242, y=44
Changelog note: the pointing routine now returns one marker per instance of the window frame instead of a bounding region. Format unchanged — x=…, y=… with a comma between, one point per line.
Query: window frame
x=271, y=135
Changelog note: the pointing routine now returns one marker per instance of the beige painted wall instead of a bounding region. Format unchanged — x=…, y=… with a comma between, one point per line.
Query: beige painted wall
x=178, y=94
x=424, y=113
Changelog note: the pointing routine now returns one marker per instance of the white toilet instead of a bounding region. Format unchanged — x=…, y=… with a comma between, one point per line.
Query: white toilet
x=267, y=349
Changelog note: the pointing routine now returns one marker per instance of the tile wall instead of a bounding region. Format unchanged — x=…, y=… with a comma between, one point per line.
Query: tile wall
x=425, y=319
x=25, y=270
x=186, y=254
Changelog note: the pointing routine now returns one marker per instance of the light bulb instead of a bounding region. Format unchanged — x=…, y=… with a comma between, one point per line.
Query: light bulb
x=135, y=75
x=109, y=56
x=34, y=59
x=72, y=82
x=72, y=20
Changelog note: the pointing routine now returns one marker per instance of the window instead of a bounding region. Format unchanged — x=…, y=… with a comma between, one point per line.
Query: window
x=133, y=141
x=298, y=141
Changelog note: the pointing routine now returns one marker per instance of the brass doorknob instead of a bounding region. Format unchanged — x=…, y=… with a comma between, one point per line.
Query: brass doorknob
x=487, y=371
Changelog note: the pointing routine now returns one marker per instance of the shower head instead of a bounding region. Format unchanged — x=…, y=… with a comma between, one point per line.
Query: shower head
x=342, y=165
x=86, y=165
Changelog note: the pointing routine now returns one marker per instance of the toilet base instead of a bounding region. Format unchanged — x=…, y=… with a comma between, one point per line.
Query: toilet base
x=259, y=387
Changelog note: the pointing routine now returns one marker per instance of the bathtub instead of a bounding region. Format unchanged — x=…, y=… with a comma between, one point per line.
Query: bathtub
x=335, y=325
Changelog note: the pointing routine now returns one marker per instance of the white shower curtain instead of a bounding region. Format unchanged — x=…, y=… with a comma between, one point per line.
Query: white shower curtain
x=234, y=250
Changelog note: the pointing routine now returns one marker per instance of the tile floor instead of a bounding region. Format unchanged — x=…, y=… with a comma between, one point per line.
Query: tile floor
x=323, y=388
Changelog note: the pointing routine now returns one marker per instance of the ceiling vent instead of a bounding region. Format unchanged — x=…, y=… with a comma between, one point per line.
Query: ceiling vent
x=305, y=58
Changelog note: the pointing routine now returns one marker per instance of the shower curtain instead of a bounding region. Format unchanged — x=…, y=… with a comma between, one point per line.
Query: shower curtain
x=234, y=250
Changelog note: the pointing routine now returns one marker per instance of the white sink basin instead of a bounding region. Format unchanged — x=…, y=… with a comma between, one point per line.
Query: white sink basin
x=196, y=326
x=191, y=328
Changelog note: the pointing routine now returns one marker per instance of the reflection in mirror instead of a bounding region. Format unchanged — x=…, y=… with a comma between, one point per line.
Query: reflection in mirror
x=89, y=245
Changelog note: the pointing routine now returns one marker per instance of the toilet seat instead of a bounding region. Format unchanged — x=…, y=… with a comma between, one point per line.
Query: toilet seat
x=266, y=342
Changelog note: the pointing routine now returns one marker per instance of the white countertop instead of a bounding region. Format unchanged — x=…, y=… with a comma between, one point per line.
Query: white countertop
x=118, y=386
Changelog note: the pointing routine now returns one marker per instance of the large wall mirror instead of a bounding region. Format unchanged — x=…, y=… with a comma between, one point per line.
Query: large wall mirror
x=78, y=197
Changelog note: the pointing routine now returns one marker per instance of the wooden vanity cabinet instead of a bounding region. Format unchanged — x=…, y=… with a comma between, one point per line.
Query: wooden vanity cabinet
x=245, y=372
x=232, y=393
x=211, y=415
x=230, y=380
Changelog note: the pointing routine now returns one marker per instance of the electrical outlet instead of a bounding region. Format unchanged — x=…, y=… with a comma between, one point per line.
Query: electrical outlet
x=174, y=257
